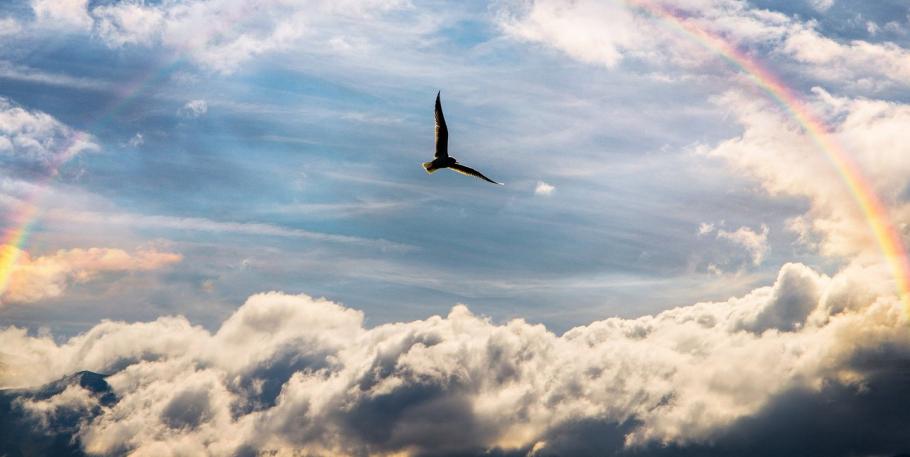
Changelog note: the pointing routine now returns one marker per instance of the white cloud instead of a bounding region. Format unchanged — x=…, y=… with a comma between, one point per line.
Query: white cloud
x=137, y=140
x=194, y=108
x=33, y=279
x=10, y=70
x=292, y=372
x=9, y=26
x=822, y=5
x=125, y=23
x=34, y=138
x=873, y=65
x=754, y=242
x=714, y=269
x=607, y=32
x=787, y=161
x=221, y=34
x=200, y=224
x=544, y=189
x=872, y=28
x=705, y=228
x=62, y=13
x=594, y=32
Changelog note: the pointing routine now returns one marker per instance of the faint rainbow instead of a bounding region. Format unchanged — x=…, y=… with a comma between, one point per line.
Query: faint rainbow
x=25, y=216
x=875, y=213
x=24, y=219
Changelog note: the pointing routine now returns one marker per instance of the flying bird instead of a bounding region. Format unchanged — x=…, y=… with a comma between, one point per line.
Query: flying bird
x=442, y=159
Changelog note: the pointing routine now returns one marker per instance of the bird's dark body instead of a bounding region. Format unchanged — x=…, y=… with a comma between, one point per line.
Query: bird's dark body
x=442, y=158
x=438, y=163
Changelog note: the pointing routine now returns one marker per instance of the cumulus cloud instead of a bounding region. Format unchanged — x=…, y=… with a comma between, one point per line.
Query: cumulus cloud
x=194, y=108
x=32, y=140
x=754, y=242
x=544, y=188
x=36, y=278
x=786, y=161
x=296, y=374
x=605, y=33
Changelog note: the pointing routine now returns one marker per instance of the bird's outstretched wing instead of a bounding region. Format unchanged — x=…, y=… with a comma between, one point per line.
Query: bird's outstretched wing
x=442, y=132
x=470, y=172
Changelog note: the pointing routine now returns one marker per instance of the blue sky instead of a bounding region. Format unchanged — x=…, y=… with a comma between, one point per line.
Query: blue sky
x=307, y=138
x=233, y=226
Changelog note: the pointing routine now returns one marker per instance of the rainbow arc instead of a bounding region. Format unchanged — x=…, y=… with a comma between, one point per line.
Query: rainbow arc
x=874, y=211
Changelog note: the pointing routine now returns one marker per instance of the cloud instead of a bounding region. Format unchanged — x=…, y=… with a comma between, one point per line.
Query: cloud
x=136, y=141
x=36, y=278
x=32, y=139
x=754, y=242
x=607, y=33
x=705, y=228
x=822, y=5
x=62, y=13
x=193, y=109
x=9, y=26
x=219, y=34
x=593, y=32
x=290, y=372
x=13, y=71
x=544, y=189
x=786, y=161
x=209, y=225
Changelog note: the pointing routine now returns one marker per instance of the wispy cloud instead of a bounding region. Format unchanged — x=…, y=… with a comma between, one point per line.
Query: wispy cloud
x=136, y=141
x=209, y=225
x=13, y=71
x=9, y=26
x=193, y=109
x=754, y=242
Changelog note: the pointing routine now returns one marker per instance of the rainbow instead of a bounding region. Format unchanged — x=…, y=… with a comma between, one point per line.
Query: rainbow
x=26, y=215
x=23, y=220
x=11, y=242
x=13, y=239
x=876, y=215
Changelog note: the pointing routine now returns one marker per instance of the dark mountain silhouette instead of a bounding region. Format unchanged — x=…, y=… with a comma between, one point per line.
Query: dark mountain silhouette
x=23, y=435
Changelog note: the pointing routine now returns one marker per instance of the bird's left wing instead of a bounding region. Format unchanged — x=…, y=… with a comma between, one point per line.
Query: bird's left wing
x=442, y=132
x=471, y=172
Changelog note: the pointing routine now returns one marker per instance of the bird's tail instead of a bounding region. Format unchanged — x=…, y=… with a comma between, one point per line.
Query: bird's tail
x=428, y=166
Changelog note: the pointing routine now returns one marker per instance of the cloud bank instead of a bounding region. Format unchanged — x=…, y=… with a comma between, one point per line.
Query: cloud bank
x=290, y=373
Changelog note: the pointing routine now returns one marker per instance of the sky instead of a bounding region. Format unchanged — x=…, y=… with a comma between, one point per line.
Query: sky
x=220, y=205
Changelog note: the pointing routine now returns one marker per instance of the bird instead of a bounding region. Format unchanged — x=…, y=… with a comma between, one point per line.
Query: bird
x=442, y=158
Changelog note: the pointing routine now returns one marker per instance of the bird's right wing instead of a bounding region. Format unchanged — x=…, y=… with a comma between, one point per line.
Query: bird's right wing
x=442, y=132
x=471, y=172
